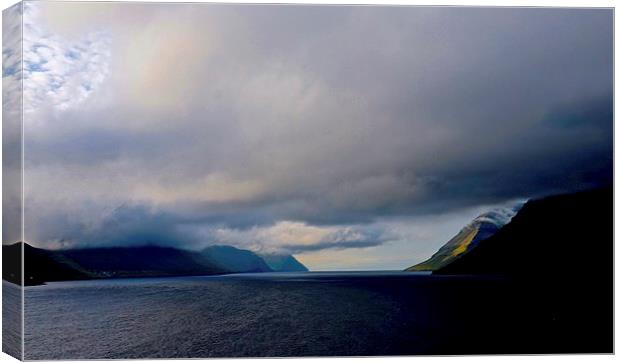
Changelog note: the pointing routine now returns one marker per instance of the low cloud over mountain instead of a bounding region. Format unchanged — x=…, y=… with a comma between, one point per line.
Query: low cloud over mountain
x=304, y=128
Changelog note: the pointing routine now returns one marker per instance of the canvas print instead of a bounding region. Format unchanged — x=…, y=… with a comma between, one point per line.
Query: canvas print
x=190, y=180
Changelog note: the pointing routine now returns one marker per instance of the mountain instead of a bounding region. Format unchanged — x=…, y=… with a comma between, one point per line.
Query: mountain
x=554, y=235
x=41, y=265
x=482, y=227
x=557, y=253
x=140, y=261
x=283, y=263
x=234, y=260
x=12, y=263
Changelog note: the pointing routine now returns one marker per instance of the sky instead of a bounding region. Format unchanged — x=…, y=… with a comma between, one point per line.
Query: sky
x=352, y=137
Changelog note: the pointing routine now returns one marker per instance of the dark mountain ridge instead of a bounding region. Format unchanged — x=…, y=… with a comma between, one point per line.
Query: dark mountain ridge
x=235, y=260
x=283, y=262
x=43, y=265
x=556, y=254
x=549, y=236
x=140, y=261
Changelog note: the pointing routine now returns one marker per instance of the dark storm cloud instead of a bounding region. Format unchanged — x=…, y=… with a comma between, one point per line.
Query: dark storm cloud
x=326, y=116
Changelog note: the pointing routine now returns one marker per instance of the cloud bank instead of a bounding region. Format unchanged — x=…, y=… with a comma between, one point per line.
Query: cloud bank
x=303, y=128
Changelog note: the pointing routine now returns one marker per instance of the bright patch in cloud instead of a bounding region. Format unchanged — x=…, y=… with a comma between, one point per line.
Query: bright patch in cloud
x=298, y=237
x=58, y=72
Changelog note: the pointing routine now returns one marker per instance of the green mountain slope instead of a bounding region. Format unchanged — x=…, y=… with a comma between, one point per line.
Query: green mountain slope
x=558, y=234
x=482, y=227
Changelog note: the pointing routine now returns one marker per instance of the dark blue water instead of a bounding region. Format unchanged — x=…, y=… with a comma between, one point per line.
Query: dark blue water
x=11, y=319
x=272, y=314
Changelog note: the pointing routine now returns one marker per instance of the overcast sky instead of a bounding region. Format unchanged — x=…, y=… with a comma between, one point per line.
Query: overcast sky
x=353, y=137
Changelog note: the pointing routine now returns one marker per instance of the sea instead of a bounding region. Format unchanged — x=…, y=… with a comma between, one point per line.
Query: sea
x=277, y=315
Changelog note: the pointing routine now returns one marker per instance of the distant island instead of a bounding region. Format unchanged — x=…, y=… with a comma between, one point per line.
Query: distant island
x=43, y=265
